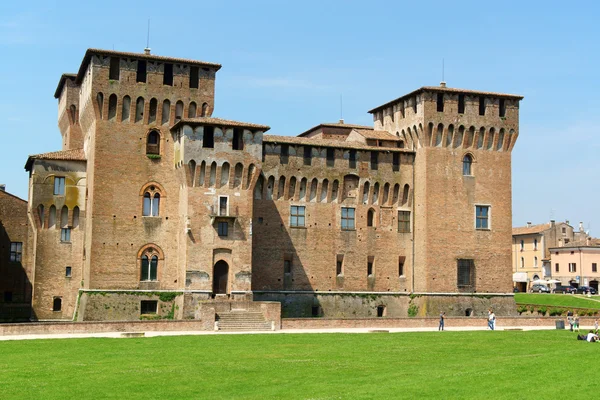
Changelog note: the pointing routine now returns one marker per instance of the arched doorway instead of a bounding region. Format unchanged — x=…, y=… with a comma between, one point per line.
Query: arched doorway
x=594, y=284
x=220, y=275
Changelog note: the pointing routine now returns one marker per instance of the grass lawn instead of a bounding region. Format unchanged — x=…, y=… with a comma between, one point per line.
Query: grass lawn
x=557, y=300
x=481, y=364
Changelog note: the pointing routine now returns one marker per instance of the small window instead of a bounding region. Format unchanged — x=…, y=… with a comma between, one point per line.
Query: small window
x=522, y=245
x=166, y=112
x=396, y=162
x=467, y=165
x=151, y=111
x=153, y=143
x=404, y=221
x=238, y=139
x=168, y=74
x=339, y=265
x=522, y=262
x=564, y=230
x=502, y=109
x=178, y=110
x=370, y=263
x=65, y=235
x=352, y=159
x=380, y=311
x=223, y=206
x=572, y=267
x=330, y=157
x=401, y=261
x=465, y=273
x=347, y=218
x=209, y=137
x=284, y=155
x=148, y=306
x=374, y=160
x=192, y=110
x=297, y=216
x=193, y=77
x=482, y=216
x=461, y=103
x=59, y=186
x=556, y=268
x=315, y=311
x=594, y=267
x=114, y=70
x=204, y=110
x=370, y=217
x=16, y=251
x=535, y=262
x=287, y=266
x=57, y=304
x=440, y=102
x=534, y=244
x=307, y=155
x=140, y=75
x=481, y=105
x=67, y=272
x=223, y=228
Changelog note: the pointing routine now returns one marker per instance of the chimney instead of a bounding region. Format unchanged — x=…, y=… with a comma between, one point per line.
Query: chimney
x=341, y=120
x=147, y=51
x=567, y=222
x=2, y=187
x=529, y=224
x=552, y=223
x=443, y=84
x=580, y=226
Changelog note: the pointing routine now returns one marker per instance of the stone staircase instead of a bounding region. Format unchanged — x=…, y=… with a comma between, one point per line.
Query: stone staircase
x=242, y=320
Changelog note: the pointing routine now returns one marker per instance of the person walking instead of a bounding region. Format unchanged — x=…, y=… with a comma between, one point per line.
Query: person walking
x=491, y=319
x=576, y=323
x=570, y=319
x=442, y=318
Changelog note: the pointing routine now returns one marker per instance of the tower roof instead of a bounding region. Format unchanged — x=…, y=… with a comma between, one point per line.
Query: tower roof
x=61, y=83
x=219, y=121
x=64, y=155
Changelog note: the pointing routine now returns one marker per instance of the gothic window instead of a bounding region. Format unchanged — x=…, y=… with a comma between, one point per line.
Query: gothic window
x=149, y=267
x=153, y=143
x=467, y=164
x=151, y=202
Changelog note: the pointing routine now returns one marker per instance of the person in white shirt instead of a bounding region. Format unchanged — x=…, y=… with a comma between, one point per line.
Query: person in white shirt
x=592, y=337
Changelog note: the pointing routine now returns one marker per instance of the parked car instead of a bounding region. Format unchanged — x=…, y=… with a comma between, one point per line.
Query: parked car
x=586, y=289
x=564, y=289
x=540, y=289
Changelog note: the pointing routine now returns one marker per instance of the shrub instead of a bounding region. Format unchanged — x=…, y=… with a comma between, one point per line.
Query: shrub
x=555, y=311
x=521, y=309
x=542, y=310
x=531, y=309
x=413, y=310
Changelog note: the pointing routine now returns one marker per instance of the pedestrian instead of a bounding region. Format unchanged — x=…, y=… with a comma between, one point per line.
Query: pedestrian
x=576, y=323
x=491, y=319
x=596, y=326
x=570, y=319
x=442, y=318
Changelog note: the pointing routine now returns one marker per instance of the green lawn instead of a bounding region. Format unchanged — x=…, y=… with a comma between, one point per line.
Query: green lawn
x=557, y=300
x=481, y=364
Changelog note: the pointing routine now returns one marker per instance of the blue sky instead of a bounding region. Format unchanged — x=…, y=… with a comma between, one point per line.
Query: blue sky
x=285, y=64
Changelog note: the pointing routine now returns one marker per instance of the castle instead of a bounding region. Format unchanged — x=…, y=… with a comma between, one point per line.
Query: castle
x=154, y=207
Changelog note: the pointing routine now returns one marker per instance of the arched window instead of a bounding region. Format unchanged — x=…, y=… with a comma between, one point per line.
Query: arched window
x=490, y=142
x=149, y=258
x=192, y=171
x=238, y=174
x=535, y=259
x=405, y=194
x=386, y=194
x=281, y=187
x=192, y=110
x=302, y=193
x=334, y=190
x=459, y=137
x=205, y=110
x=212, y=179
x=202, y=174
x=438, y=138
x=500, y=145
x=450, y=136
x=125, y=109
x=324, y=190
x=270, y=184
x=151, y=201
x=139, y=109
x=370, y=217
x=166, y=112
x=429, y=134
x=480, y=138
x=225, y=174
x=152, y=111
x=366, y=188
x=75, y=217
x=535, y=242
x=313, y=189
x=112, y=107
x=153, y=143
x=375, y=193
x=251, y=169
x=522, y=262
x=178, y=110
x=64, y=217
x=52, y=217
x=292, y=188
x=258, y=189
x=100, y=101
x=396, y=194
x=467, y=163
x=41, y=215
x=470, y=137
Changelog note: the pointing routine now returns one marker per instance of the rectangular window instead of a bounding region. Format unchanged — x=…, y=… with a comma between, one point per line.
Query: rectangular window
x=148, y=306
x=59, y=186
x=347, y=218
x=482, y=217
x=465, y=273
x=284, y=155
x=339, y=265
x=223, y=206
x=307, y=155
x=440, y=102
x=168, y=75
x=404, y=221
x=502, y=110
x=374, y=160
x=572, y=267
x=140, y=75
x=401, y=260
x=208, y=140
x=16, y=251
x=461, y=103
x=482, y=105
x=594, y=267
x=68, y=272
x=287, y=264
x=193, y=77
x=370, y=263
x=115, y=69
x=223, y=228
x=352, y=159
x=238, y=139
x=297, y=216
x=330, y=157
x=65, y=235
x=556, y=268
x=8, y=297
x=396, y=162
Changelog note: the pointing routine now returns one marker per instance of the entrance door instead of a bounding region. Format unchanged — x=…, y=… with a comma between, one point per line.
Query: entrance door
x=220, y=274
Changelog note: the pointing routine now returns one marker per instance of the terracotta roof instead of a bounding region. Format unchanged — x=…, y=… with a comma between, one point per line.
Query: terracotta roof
x=335, y=125
x=151, y=57
x=446, y=90
x=219, y=121
x=529, y=230
x=61, y=83
x=64, y=155
x=339, y=144
x=377, y=135
x=5, y=193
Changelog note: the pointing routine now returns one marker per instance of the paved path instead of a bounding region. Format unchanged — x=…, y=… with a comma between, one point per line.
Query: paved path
x=284, y=331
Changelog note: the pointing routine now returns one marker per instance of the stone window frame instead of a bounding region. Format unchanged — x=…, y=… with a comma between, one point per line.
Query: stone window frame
x=298, y=218
x=404, y=224
x=150, y=250
x=487, y=218
x=153, y=148
x=468, y=160
x=16, y=252
x=152, y=188
x=465, y=273
x=347, y=218
x=59, y=185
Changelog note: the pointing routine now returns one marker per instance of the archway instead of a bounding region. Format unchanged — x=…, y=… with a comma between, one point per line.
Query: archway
x=220, y=275
x=594, y=284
